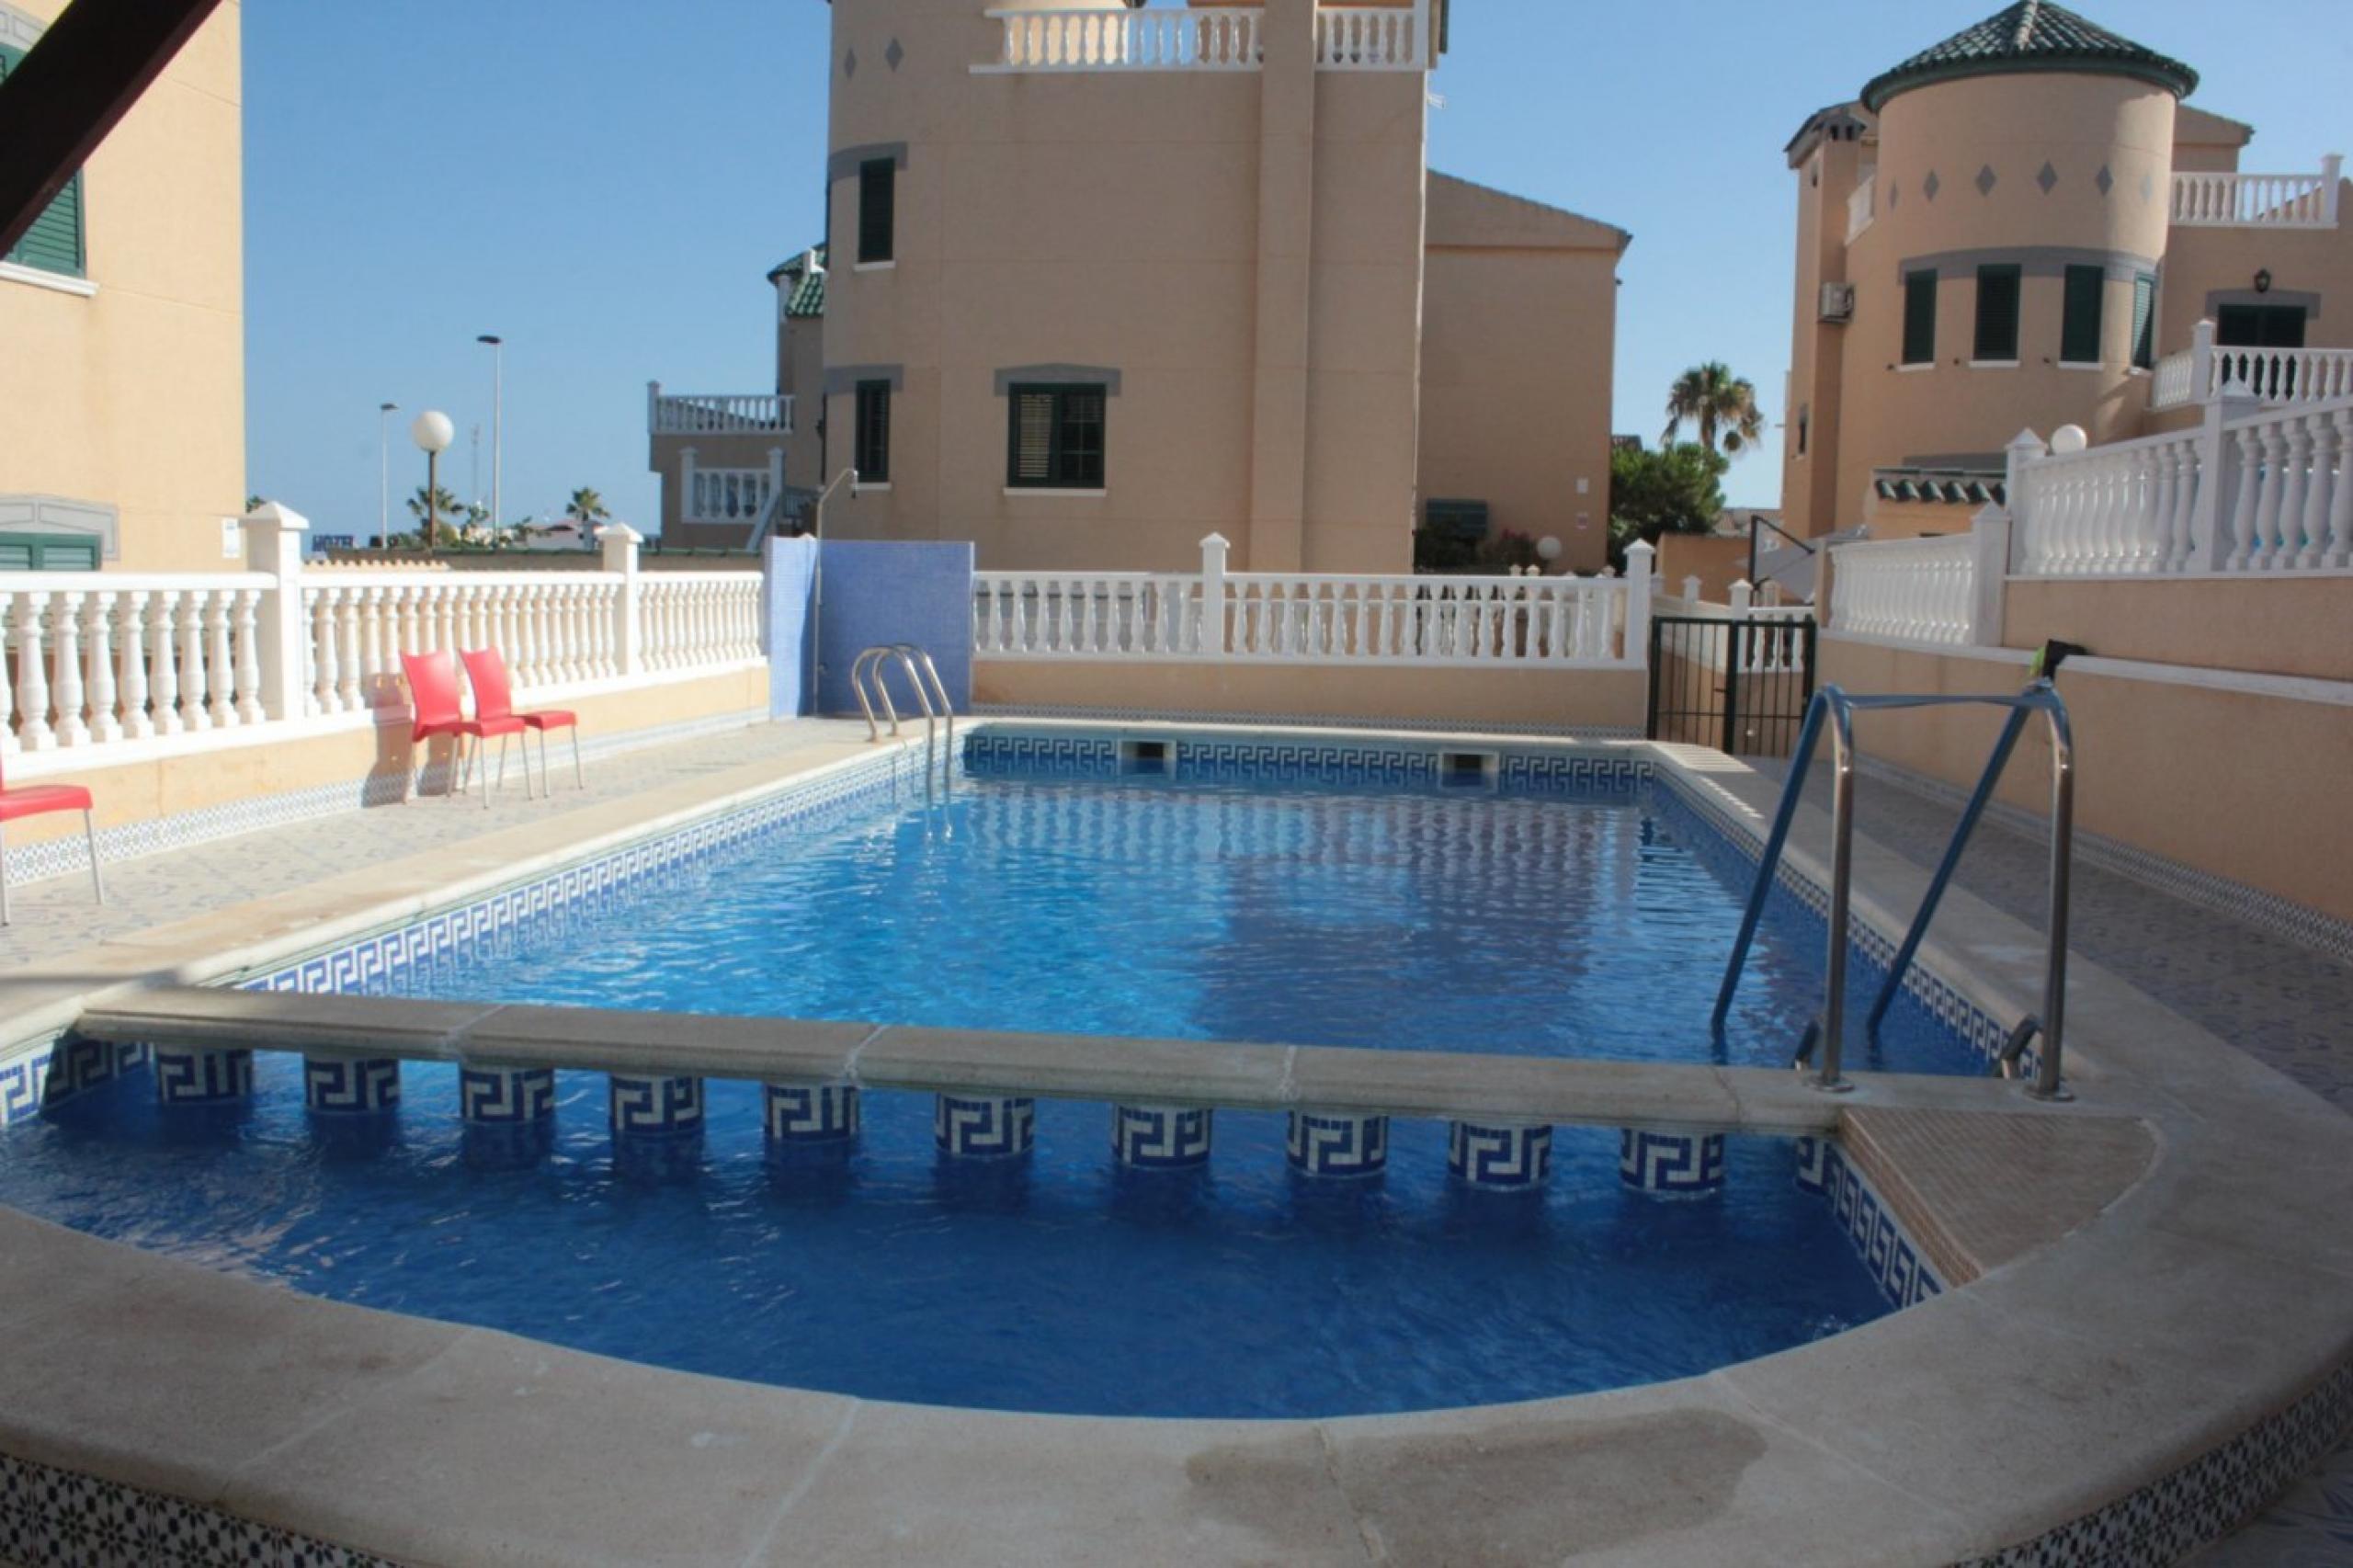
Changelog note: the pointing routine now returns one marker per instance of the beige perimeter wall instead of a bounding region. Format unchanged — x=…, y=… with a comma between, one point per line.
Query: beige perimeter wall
x=2247, y=787
x=134, y=397
x=1612, y=699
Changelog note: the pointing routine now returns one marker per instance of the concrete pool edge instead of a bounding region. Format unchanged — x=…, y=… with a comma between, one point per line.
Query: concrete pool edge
x=2038, y=1365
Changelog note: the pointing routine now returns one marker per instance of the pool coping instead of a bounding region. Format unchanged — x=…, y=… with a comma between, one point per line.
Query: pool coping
x=2200, y=1315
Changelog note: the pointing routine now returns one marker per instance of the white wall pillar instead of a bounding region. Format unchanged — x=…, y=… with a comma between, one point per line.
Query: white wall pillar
x=1212, y=625
x=1990, y=535
x=619, y=544
x=2219, y=476
x=1742, y=597
x=1637, y=649
x=275, y=536
x=2025, y=449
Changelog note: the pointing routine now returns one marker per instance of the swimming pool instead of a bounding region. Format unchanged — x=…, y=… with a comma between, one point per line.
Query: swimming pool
x=1549, y=917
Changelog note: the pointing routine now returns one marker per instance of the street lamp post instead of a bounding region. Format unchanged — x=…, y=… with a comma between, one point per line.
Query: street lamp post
x=432, y=433
x=384, y=472
x=498, y=414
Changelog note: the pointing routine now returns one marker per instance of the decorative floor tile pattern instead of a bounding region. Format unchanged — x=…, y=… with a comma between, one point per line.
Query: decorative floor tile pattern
x=2283, y=995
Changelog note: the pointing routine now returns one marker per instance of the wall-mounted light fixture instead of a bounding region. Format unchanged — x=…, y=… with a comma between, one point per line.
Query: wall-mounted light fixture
x=2263, y=280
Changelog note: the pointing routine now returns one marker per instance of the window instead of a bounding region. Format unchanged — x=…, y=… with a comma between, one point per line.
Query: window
x=877, y=195
x=1056, y=437
x=2144, y=321
x=1805, y=420
x=54, y=241
x=2259, y=326
x=48, y=552
x=2079, y=316
x=1920, y=318
x=870, y=439
x=1997, y=315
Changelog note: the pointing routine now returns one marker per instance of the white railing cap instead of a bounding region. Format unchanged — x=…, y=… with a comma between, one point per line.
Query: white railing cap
x=279, y=514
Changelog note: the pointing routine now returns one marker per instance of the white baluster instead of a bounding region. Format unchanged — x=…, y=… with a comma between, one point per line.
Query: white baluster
x=220, y=669
x=326, y=682
x=2267, y=517
x=131, y=667
x=350, y=694
x=2245, y=544
x=32, y=673
x=2340, y=503
x=105, y=724
x=162, y=654
x=2312, y=524
x=66, y=632
x=246, y=656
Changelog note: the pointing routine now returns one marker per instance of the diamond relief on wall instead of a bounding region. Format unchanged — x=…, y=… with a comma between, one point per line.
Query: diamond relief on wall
x=1985, y=180
x=1893, y=190
x=850, y=63
x=1929, y=187
x=2106, y=181
x=893, y=55
x=2047, y=177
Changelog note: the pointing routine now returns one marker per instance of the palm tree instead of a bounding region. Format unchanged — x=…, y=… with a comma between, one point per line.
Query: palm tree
x=589, y=506
x=1719, y=403
x=430, y=512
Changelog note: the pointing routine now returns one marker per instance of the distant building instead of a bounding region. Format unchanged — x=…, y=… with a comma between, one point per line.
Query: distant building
x=2020, y=227
x=1102, y=280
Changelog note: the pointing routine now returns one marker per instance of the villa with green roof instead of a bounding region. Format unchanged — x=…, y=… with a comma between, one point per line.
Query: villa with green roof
x=2026, y=226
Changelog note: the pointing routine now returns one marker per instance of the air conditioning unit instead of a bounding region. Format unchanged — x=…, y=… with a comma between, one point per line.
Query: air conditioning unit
x=1838, y=301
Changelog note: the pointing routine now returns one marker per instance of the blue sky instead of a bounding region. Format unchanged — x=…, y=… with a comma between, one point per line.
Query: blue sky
x=606, y=186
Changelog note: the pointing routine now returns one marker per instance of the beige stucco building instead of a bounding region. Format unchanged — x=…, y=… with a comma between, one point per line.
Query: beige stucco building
x=1102, y=280
x=2021, y=227
x=124, y=317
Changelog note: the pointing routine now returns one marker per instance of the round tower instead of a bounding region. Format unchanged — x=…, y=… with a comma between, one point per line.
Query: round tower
x=2006, y=251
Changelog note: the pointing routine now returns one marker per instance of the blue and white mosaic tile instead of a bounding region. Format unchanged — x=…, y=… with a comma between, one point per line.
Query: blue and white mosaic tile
x=654, y=1106
x=1671, y=1164
x=811, y=1113
x=984, y=1127
x=203, y=1077
x=1509, y=1158
x=351, y=1088
x=506, y=1096
x=1161, y=1138
x=60, y=1519
x=1896, y=1259
x=1327, y=1143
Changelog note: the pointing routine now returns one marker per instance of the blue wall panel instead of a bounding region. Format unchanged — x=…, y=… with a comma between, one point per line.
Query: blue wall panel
x=792, y=568
x=874, y=591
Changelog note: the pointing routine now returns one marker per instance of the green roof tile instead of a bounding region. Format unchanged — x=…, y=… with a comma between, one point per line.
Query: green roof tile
x=2034, y=35
x=807, y=272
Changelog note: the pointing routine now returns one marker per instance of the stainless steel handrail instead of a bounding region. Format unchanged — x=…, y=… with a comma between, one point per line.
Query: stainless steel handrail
x=917, y=664
x=1828, y=1031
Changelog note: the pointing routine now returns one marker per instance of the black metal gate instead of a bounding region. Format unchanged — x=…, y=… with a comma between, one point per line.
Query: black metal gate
x=1739, y=685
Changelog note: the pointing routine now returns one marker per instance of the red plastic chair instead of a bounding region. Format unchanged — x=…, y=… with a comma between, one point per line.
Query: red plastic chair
x=495, y=698
x=36, y=799
x=433, y=701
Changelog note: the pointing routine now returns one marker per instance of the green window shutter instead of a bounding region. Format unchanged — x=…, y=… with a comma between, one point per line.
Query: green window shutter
x=871, y=439
x=877, y=182
x=48, y=552
x=1054, y=437
x=1030, y=458
x=1997, y=314
x=2144, y=321
x=2079, y=321
x=1920, y=318
x=53, y=244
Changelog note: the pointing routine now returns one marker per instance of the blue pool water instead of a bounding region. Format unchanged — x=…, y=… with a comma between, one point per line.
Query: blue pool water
x=1429, y=920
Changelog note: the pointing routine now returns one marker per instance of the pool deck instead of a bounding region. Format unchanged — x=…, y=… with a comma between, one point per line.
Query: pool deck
x=2127, y=1314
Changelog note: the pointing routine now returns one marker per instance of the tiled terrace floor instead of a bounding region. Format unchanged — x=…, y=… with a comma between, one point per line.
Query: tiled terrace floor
x=56, y=916
x=2288, y=1006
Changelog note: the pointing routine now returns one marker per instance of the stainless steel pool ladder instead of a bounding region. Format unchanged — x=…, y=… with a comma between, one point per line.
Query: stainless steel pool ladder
x=1826, y=1032
x=919, y=666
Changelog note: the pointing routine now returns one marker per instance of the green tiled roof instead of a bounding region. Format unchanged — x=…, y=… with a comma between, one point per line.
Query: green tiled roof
x=807, y=272
x=2032, y=35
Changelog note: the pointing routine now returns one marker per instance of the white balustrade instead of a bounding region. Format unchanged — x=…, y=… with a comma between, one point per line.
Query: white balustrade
x=2207, y=371
x=1373, y=38
x=102, y=659
x=718, y=414
x=1310, y=619
x=2266, y=491
x=726, y=495
x=2212, y=201
x=1861, y=207
x=1222, y=38
x=1911, y=590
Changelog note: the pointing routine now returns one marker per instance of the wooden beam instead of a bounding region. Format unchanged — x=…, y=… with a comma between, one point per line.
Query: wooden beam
x=73, y=88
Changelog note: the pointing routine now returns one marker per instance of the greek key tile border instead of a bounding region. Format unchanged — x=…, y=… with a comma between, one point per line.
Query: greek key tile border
x=2205, y=1499
x=1898, y=1264
x=62, y=1519
x=1222, y=760
x=67, y=855
x=2267, y=911
x=374, y=960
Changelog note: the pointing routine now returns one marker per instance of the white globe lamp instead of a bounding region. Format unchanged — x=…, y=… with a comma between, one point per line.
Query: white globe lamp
x=2069, y=439
x=432, y=433
x=1548, y=549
